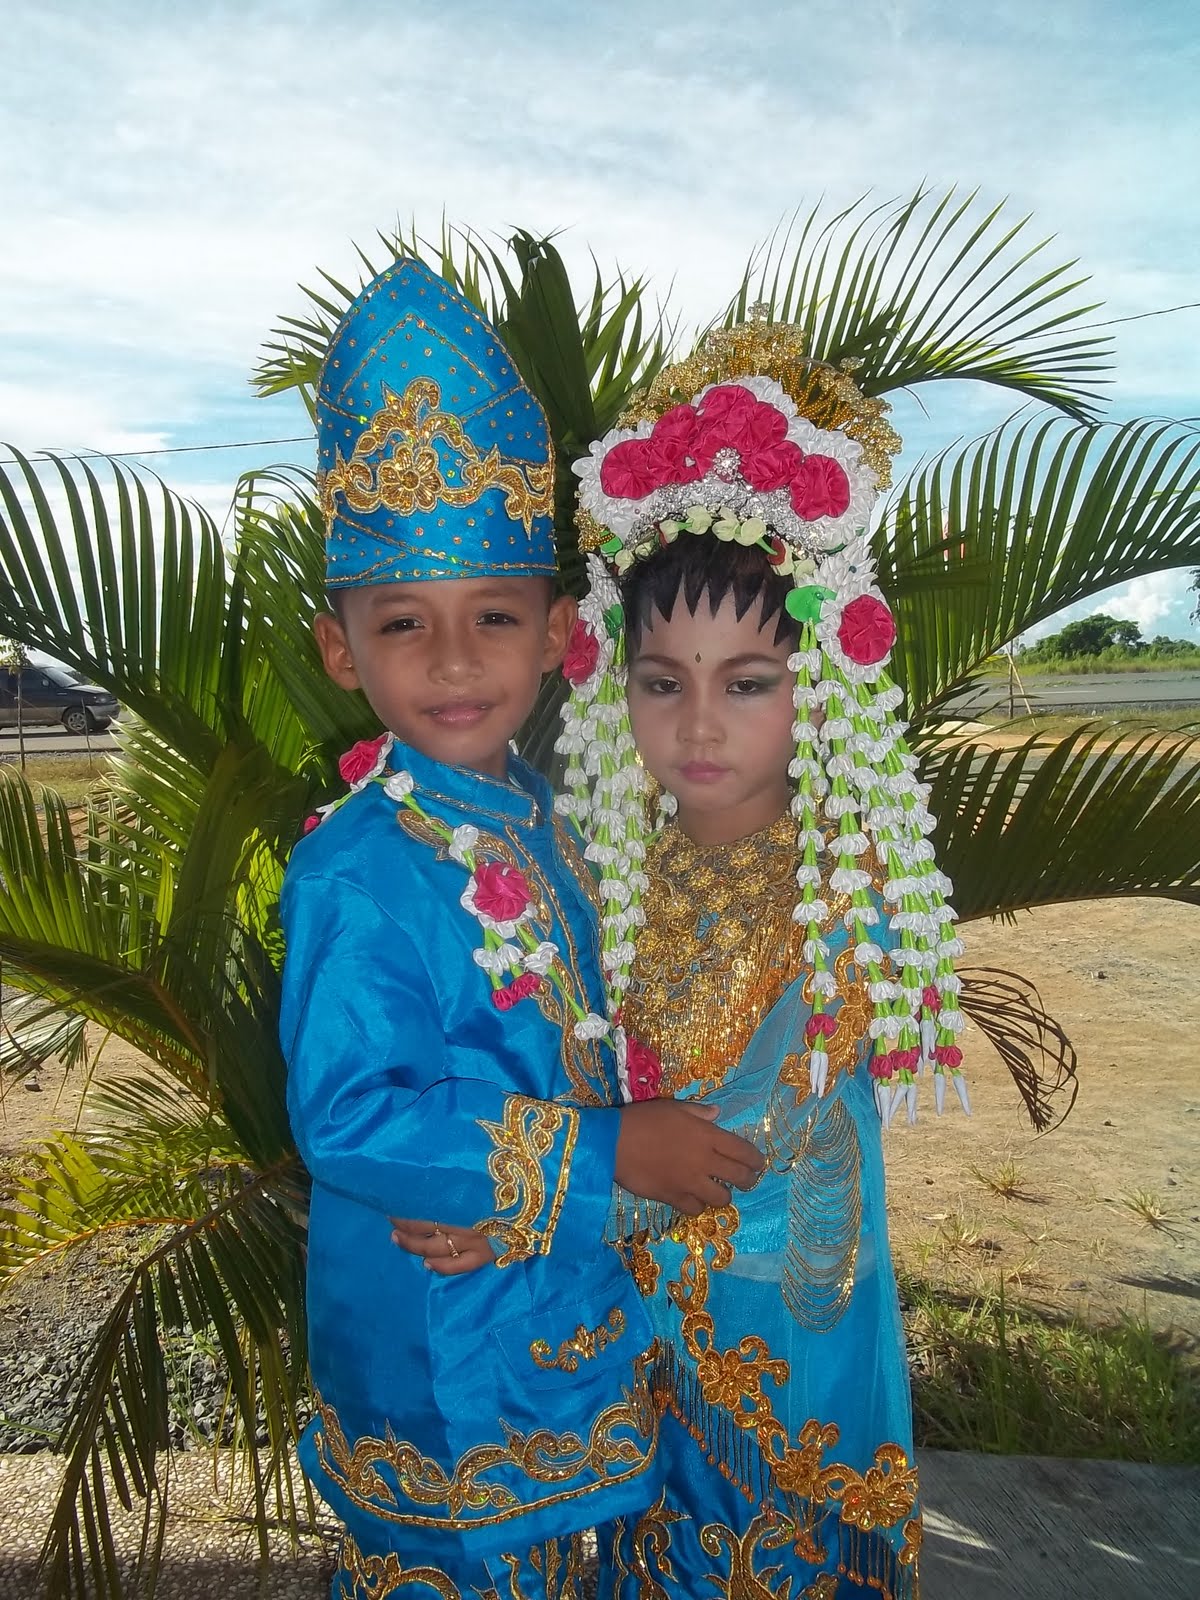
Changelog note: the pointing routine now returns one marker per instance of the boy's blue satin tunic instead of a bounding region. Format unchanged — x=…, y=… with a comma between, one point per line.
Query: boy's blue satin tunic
x=457, y=1417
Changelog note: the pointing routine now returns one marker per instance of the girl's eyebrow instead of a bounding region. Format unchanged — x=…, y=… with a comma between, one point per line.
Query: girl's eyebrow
x=749, y=658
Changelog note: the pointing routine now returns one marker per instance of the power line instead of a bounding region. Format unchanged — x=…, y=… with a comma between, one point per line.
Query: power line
x=166, y=450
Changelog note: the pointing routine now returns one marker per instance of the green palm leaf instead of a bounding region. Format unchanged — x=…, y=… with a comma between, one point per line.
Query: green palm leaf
x=224, y=1253
x=1083, y=817
x=931, y=287
x=990, y=538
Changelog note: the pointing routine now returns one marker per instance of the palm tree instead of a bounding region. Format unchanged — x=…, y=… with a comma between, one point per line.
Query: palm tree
x=155, y=916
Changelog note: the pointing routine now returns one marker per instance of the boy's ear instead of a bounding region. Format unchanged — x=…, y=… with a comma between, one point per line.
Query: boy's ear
x=564, y=610
x=335, y=650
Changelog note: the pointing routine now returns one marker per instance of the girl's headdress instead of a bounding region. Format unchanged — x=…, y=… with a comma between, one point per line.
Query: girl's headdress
x=789, y=460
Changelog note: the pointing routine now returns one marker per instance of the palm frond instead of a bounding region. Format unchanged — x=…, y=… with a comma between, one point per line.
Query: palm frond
x=128, y=586
x=1083, y=817
x=226, y=1255
x=1041, y=1059
x=990, y=538
x=931, y=287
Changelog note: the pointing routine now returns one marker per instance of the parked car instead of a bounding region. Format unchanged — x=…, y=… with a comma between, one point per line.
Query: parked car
x=54, y=694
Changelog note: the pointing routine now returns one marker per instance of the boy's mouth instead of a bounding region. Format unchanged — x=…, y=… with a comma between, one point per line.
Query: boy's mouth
x=459, y=713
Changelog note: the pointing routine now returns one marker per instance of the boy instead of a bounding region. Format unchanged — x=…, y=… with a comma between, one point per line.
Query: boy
x=443, y=1007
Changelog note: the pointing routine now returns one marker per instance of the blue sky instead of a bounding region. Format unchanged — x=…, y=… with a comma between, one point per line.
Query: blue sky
x=169, y=173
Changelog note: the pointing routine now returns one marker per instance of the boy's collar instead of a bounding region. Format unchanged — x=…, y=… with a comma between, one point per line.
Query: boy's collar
x=525, y=797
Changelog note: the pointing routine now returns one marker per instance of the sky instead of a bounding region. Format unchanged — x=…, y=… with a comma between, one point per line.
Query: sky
x=169, y=174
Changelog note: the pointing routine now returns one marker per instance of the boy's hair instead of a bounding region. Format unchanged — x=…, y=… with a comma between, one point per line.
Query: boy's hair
x=700, y=567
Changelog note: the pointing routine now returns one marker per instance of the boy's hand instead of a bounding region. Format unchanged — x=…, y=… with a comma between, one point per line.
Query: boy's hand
x=669, y=1150
x=445, y=1250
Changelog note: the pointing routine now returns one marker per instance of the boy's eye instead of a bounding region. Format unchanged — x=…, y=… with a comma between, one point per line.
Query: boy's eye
x=499, y=619
x=399, y=625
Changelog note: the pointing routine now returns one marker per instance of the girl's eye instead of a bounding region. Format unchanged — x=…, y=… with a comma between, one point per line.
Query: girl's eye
x=751, y=686
x=659, y=685
x=499, y=619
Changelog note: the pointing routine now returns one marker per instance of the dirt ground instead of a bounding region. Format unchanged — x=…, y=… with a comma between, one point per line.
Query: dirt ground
x=1099, y=1216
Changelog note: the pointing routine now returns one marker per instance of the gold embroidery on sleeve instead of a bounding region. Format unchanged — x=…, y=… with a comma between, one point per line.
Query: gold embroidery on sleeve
x=523, y=1140
x=583, y=1345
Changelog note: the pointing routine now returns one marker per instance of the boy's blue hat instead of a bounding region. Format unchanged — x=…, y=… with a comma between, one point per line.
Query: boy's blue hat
x=434, y=459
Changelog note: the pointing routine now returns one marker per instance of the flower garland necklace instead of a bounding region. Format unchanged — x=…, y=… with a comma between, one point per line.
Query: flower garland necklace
x=518, y=964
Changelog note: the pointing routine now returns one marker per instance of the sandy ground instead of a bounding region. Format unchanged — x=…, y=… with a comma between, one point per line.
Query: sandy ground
x=1105, y=1216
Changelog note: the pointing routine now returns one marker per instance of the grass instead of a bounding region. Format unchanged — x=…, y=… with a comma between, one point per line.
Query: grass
x=73, y=777
x=1150, y=1209
x=992, y=1375
x=1078, y=666
x=1006, y=1182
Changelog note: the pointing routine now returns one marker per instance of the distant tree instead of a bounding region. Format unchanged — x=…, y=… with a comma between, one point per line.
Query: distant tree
x=1090, y=635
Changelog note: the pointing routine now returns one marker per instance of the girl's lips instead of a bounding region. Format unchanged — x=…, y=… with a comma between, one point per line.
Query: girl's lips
x=702, y=772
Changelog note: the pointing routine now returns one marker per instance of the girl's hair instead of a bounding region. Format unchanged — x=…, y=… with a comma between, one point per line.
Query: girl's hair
x=699, y=568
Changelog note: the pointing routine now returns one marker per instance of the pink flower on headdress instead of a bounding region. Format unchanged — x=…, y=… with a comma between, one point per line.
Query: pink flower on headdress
x=930, y=997
x=881, y=1064
x=644, y=1068
x=501, y=892
x=727, y=406
x=773, y=466
x=866, y=632
x=669, y=450
x=363, y=760
x=583, y=652
x=948, y=1055
x=626, y=472
x=310, y=823
x=820, y=488
x=820, y=1025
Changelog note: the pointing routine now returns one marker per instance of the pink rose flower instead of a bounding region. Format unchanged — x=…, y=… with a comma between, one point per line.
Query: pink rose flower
x=906, y=1060
x=931, y=998
x=501, y=892
x=362, y=759
x=820, y=488
x=773, y=466
x=881, y=1064
x=727, y=405
x=820, y=1025
x=310, y=823
x=644, y=1069
x=583, y=651
x=625, y=472
x=866, y=632
x=948, y=1055
x=522, y=986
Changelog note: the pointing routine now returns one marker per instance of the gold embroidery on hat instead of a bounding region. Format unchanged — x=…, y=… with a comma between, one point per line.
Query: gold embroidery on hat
x=411, y=476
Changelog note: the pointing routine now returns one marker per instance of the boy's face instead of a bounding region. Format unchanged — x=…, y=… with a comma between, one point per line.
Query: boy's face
x=710, y=702
x=450, y=666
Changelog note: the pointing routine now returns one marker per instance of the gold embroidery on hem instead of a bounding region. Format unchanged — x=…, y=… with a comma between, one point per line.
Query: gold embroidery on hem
x=583, y=1345
x=376, y=1577
x=413, y=479
x=622, y=1437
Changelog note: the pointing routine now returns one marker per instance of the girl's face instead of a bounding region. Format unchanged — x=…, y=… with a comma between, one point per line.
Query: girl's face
x=710, y=700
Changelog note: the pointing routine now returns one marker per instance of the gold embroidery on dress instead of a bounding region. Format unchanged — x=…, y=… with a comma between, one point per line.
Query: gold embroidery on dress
x=718, y=950
x=619, y=1447
x=651, y=1541
x=523, y=1139
x=584, y=1344
x=376, y=1577
x=413, y=477
x=744, y=1579
x=825, y=1212
x=561, y=1580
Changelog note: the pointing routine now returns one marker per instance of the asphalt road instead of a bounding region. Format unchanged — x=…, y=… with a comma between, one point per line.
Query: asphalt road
x=1099, y=691
x=1095, y=691
x=52, y=742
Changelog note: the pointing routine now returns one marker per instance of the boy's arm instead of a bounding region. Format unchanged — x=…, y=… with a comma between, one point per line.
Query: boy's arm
x=376, y=1117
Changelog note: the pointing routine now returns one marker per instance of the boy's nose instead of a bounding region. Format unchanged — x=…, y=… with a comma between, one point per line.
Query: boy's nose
x=456, y=658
